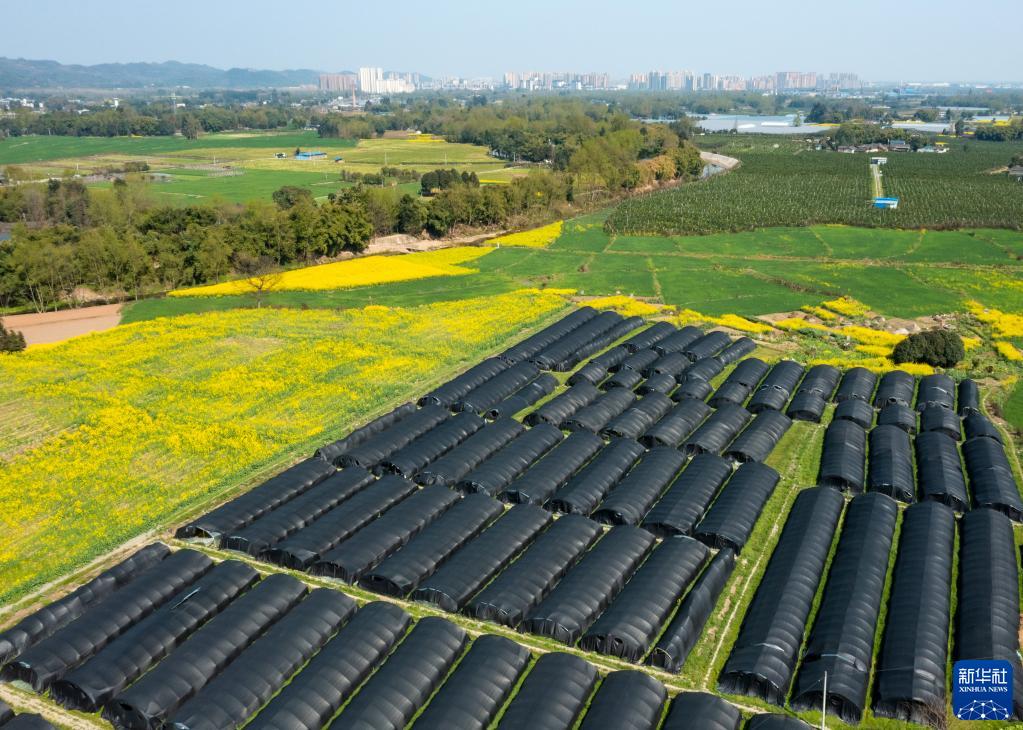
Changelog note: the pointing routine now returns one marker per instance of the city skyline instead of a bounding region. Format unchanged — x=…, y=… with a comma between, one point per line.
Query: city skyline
x=620, y=39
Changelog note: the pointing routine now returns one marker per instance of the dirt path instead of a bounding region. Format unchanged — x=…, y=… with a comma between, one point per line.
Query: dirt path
x=59, y=326
x=27, y=702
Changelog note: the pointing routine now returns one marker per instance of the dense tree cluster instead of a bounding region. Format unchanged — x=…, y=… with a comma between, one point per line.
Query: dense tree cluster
x=11, y=341
x=938, y=347
x=437, y=180
x=1001, y=132
x=853, y=134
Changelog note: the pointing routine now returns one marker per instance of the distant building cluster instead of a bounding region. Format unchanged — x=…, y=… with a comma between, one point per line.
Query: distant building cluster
x=341, y=83
x=782, y=81
x=554, y=81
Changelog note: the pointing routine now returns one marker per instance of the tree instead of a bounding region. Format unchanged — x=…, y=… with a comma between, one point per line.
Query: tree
x=940, y=348
x=11, y=341
x=261, y=275
x=412, y=214
x=289, y=196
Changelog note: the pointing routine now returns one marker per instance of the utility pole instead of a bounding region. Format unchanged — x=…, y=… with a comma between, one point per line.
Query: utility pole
x=824, y=703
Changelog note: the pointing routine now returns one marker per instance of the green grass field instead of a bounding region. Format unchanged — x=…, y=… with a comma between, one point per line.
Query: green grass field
x=897, y=273
x=787, y=183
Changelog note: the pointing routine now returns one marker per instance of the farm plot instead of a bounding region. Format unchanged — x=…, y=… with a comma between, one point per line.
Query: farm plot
x=787, y=184
x=178, y=639
x=151, y=419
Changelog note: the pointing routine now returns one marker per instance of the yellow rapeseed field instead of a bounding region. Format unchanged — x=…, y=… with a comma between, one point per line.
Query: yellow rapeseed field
x=1009, y=351
x=847, y=306
x=1003, y=324
x=535, y=238
x=626, y=306
x=732, y=321
x=356, y=272
x=143, y=421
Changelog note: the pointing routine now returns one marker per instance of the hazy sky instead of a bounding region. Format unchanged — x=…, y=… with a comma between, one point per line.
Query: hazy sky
x=880, y=40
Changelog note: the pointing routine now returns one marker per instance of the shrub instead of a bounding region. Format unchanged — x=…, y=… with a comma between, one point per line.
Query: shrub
x=11, y=341
x=941, y=348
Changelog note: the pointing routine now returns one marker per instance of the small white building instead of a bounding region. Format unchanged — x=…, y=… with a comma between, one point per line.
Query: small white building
x=878, y=160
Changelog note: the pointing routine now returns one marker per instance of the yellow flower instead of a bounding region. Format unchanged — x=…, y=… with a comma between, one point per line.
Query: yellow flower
x=794, y=324
x=1008, y=350
x=732, y=321
x=868, y=336
x=875, y=350
x=355, y=272
x=536, y=238
x=821, y=313
x=626, y=306
x=1003, y=324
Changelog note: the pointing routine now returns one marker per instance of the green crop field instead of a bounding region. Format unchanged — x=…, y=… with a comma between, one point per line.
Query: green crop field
x=787, y=183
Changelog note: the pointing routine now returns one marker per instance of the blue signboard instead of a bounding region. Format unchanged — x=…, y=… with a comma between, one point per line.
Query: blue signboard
x=982, y=689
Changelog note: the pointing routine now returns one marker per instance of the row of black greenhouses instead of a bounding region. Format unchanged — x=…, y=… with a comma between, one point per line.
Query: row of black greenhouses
x=177, y=640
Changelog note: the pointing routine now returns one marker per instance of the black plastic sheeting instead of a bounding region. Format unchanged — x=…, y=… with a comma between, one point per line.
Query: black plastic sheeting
x=857, y=384
x=677, y=424
x=742, y=381
x=148, y=702
x=843, y=458
x=125, y=659
x=263, y=668
x=523, y=398
x=913, y=656
x=776, y=722
x=976, y=424
x=60, y=613
x=433, y=444
x=686, y=626
x=495, y=474
x=6, y=713
x=553, y=694
x=764, y=655
x=401, y=573
x=538, y=341
x=820, y=380
x=478, y=687
x=378, y=447
x=658, y=383
x=554, y=470
x=303, y=548
x=730, y=520
x=396, y=692
x=942, y=420
x=937, y=389
x=777, y=387
x=895, y=386
x=447, y=394
x=692, y=388
x=599, y=413
x=718, y=430
x=678, y=341
x=628, y=627
x=704, y=369
x=469, y=454
x=896, y=414
x=685, y=502
x=626, y=700
x=701, y=710
x=587, y=488
x=255, y=503
x=939, y=470
x=987, y=616
x=968, y=398
x=673, y=364
x=707, y=346
x=590, y=586
x=524, y=583
x=316, y=693
x=486, y=395
x=649, y=337
x=625, y=379
x=639, y=360
x=333, y=451
x=68, y=647
x=563, y=406
x=891, y=464
x=476, y=563
x=635, y=421
x=591, y=373
x=992, y=483
x=841, y=643
x=737, y=350
x=611, y=359
x=28, y=721
x=858, y=411
x=806, y=406
x=364, y=550
x=568, y=351
x=758, y=439
x=292, y=516
x=641, y=487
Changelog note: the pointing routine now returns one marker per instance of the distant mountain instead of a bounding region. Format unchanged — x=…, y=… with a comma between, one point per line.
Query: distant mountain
x=20, y=73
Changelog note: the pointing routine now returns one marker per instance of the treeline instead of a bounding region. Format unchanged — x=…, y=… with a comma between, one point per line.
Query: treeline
x=154, y=119
x=1000, y=133
x=855, y=134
